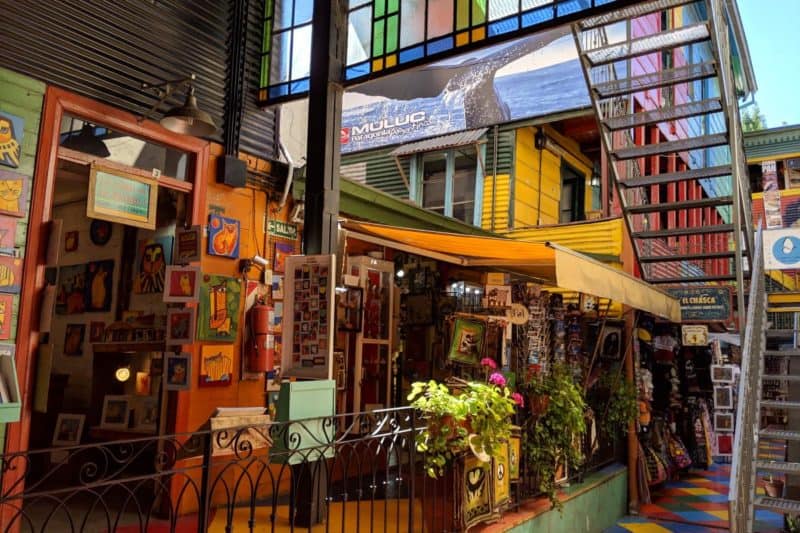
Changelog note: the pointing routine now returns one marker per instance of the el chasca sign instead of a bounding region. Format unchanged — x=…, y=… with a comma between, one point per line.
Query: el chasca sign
x=703, y=304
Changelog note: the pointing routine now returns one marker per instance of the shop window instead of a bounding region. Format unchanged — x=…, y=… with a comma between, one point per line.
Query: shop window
x=449, y=183
x=573, y=190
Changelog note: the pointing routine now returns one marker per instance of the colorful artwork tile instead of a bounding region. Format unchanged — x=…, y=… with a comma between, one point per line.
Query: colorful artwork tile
x=152, y=258
x=71, y=295
x=467, y=344
x=12, y=129
x=216, y=365
x=8, y=235
x=282, y=251
x=6, y=315
x=99, y=285
x=220, y=301
x=13, y=193
x=180, y=325
x=182, y=284
x=223, y=236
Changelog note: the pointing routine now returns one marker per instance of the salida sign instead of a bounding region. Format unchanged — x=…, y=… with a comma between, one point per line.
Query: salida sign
x=704, y=304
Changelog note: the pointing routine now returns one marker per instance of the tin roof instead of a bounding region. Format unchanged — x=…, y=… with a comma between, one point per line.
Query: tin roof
x=437, y=143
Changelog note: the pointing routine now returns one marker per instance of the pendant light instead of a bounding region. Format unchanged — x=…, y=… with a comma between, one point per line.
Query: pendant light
x=187, y=119
x=86, y=141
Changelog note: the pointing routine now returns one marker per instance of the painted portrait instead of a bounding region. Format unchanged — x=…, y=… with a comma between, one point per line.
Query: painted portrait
x=73, y=339
x=99, y=285
x=71, y=294
x=178, y=371
x=152, y=258
x=216, y=365
x=12, y=129
x=13, y=193
x=182, y=284
x=10, y=274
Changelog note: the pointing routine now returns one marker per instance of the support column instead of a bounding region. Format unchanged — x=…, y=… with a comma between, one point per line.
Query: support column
x=328, y=54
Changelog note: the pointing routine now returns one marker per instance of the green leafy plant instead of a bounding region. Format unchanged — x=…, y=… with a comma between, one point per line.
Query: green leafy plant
x=477, y=416
x=621, y=407
x=792, y=523
x=555, y=437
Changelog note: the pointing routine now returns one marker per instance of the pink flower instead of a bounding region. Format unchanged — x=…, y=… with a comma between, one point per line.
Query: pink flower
x=518, y=399
x=489, y=362
x=497, y=379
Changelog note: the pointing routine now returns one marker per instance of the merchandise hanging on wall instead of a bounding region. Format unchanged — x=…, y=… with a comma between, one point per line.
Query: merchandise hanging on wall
x=308, y=317
x=182, y=284
x=12, y=130
x=350, y=310
x=71, y=241
x=6, y=315
x=218, y=315
x=10, y=274
x=116, y=412
x=99, y=285
x=146, y=414
x=277, y=287
x=223, y=236
x=178, y=371
x=100, y=232
x=13, y=194
x=152, y=257
x=187, y=245
x=216, y=365
x=722, y=373
x=466, y=345
x=180, y=326
x=281, y=252
x=8, y=235
x=723, y=397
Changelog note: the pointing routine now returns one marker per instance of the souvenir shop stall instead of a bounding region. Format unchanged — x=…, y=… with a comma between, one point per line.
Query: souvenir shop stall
x=686, y=387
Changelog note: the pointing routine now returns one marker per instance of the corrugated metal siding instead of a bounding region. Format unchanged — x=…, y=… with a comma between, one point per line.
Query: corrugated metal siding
x=501, y=205
x=382, y=171
x=776, y=143
x=105, y=49
x=602, y=237
x=505, y=150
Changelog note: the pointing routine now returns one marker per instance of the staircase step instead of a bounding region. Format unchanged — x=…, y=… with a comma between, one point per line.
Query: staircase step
x=679, y=232
x=778, y=505
x=685, y=257
x=634, y=11
x=777, y=404
x=778, y=466
x=782, y=353
x=659, y=179
x=674, y=206
x=781, y=333
x=691, y=279
x=666, y=40
x=681, y=145
x=780, y=377
x=692, y=109
x=654, y=80
x=779, y=434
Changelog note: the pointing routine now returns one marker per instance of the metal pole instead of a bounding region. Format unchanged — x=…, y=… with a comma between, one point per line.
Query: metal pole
x=328, y=53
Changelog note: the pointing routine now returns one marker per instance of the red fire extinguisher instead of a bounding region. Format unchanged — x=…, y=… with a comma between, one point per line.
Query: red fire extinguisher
x=261, y=343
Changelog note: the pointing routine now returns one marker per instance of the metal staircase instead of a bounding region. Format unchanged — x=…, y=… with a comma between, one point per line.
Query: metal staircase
x=660, y=79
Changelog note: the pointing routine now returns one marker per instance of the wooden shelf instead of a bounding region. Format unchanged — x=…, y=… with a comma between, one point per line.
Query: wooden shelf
x=115, y=347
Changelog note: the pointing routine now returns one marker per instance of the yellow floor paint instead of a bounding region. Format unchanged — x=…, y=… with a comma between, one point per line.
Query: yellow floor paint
x=722, y=515
x=700, y=492
x=396, y=515
x=645, y=528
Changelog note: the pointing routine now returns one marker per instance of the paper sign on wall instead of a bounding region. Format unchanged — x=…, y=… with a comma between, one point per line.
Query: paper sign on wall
x=782, y=249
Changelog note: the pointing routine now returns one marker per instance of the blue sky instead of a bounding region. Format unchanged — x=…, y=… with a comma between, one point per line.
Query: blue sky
x=773, y=35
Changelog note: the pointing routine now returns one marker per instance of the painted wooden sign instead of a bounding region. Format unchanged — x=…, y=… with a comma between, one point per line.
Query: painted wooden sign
x=122, y=197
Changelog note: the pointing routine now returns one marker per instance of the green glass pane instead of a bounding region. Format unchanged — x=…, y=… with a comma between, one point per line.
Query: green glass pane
x=267, y=40
x=264, y=70
x=377, y=38
x=392, y=34
x=379, y=8
x=394, y=5
x=478, y=12
x=462, y=14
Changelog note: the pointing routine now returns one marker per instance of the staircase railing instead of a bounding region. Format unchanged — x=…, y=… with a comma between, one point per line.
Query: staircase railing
x=743, y=475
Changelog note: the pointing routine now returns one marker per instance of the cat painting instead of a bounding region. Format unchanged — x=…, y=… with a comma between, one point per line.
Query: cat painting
x=219, y=309
x=223, y=236
x=99, y=277
x=73, y=339
x=182, y=284
x=13, y=193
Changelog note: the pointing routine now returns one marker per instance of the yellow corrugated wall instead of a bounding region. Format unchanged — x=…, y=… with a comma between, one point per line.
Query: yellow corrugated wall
x=602, y=237
x=500, y=206
x=526, y=182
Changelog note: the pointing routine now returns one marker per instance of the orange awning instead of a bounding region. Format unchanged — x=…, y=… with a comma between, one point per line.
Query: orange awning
x=550, y=263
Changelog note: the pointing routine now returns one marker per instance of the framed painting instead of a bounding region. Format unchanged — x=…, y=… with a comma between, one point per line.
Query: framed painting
x=73, y=339
x=100, y=232
x=70, y=297
x=122, y=197
x=12, y=129
x=10, y=274
x=187, y=245
x=178, y=371
x=723, y=397
x=466, y=345
x=216, y=365
x=6, y=314
x=281, y=252
x=97, y=331
x=13, y=194
x=146, y=414
x=152, y=257
x=180, y=325
x=223, y=236
x=220, y=301
x=69, y=428
x=116, y=411
x=351, y=309
x=99, y=285
x=723, y=422
x=722, y=373
x=724, y=444
x=8, y=235
x=182, y=284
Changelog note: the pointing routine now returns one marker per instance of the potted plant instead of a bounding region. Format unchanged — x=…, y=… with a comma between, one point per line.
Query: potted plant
x=476, y=417
x=773, y=487
x=550, y=440
x=620, y=406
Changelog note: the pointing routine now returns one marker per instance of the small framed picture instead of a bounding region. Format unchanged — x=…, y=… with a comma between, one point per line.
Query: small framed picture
x=116, y=410
x=722, y=373
x=182, y=284
x=723, y=397
x=97, y=331
x=724, y=444
x=73, y=339
x=723, y=422
x=69, y=428
x=350, y=309
x=146, y=417
x=180, y=325
x=178, y=371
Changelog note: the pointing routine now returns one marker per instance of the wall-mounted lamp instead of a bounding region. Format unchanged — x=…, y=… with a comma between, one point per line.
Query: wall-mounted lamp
x=539, y=139
x=122, y=373
x=85, y=141
x=187, y=119
x=595, y=180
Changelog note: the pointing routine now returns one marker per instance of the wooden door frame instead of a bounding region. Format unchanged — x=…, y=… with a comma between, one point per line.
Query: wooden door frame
x=57, y=103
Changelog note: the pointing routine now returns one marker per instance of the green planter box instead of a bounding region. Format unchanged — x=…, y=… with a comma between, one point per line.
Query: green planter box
x=9, y=411
x=308, y=440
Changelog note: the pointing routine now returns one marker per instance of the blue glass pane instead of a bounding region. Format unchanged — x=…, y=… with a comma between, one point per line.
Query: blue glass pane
x=537, y=16
x=281, y=56
x=357, y=71
x=300, y=86
x=283, y=13
x=279, y=90
x=359, y=35
x=573, y=6
x=303, y=9
x=435, y=47
x=412, y=54
x=603, y=2
x=301, y=53
x=503, y=26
